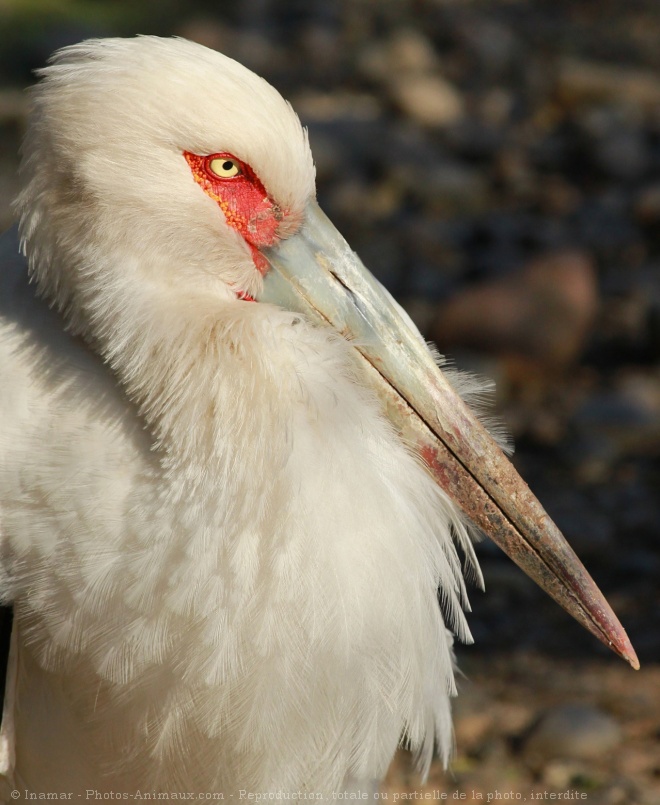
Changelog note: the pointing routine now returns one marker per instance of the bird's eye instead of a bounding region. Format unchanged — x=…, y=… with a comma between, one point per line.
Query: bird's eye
x=224, y=167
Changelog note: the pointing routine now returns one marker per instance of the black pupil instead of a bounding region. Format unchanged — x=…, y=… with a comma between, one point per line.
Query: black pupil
x=227, y=165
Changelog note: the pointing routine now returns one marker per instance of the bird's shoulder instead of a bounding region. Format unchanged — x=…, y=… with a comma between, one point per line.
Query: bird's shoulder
x=63, y=417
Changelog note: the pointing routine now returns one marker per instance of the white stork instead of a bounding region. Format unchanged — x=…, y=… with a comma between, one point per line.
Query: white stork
x=224, y=521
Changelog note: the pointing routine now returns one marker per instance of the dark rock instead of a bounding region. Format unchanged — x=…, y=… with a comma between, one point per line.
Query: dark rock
x=576, y=731
x=451, y=187
x=491, y=41
x=623, y=155
x=589, y=531
x=625, y=422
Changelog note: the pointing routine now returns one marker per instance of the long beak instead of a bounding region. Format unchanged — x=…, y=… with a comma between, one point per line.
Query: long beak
x=315, y=273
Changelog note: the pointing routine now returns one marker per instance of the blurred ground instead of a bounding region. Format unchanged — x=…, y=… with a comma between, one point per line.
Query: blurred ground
x=531, y=724
x=497, y=165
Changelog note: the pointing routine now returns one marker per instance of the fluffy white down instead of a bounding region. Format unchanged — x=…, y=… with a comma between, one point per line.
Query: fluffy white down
x=224, y=562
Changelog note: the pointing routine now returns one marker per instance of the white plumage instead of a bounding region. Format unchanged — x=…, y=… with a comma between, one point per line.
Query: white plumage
x=222, y=557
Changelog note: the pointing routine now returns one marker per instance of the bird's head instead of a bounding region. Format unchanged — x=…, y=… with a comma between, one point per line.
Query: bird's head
x=161, y=164
x=161, y=153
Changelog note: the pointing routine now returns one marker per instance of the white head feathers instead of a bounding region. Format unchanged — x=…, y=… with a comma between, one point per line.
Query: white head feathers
x=111, y=119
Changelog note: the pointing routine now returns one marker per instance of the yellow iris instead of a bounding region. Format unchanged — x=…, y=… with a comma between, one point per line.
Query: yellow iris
x=225, y=168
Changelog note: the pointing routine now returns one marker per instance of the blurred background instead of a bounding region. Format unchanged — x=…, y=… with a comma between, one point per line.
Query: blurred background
x=496, y=163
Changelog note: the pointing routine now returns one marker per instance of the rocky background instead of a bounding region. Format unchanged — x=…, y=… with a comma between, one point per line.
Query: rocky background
x=497, y=165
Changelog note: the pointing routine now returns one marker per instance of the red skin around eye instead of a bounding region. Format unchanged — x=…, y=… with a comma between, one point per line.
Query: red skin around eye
x=246, y=205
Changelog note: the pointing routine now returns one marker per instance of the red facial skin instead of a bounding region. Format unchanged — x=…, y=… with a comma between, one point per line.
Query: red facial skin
x=243, y=199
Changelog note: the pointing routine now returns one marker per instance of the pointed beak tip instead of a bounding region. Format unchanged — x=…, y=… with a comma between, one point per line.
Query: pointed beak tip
x=620, y=644
x=631, y=658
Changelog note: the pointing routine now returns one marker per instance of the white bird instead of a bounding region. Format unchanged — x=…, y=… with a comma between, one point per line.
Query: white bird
x=224, y=521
